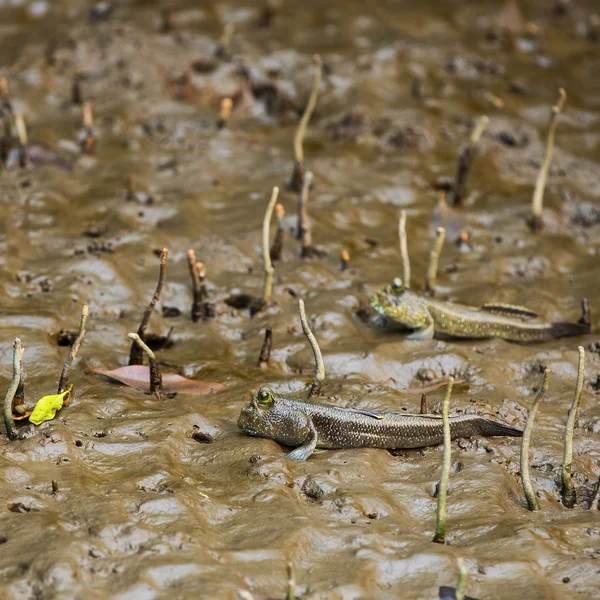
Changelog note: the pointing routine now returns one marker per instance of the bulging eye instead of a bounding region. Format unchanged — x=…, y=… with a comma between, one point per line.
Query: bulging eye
x=265, y=396
x=397, y=284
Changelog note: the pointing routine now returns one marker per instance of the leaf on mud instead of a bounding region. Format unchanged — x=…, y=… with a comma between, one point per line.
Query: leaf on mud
x=46, y=407
x=138, y=377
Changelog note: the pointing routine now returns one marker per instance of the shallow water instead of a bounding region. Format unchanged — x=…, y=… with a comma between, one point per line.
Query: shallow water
x=144, y=510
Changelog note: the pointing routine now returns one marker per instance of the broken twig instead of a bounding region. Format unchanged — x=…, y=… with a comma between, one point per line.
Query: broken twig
x=568, y=491
x=136, y=353
x=63, y=382
x=225, y=114
x=344, y=260
x=265, y=351
x=22, y=137
x=440, y=526
x=156, y=384
x=537, y=203
x=466, y=156
x=434, y=259
x=201, y=308
x=532, y=501
x=319, y=377
x=423, y=404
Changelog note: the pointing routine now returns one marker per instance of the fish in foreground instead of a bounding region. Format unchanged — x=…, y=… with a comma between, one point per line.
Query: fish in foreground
x=428, y=316
x=309, y=425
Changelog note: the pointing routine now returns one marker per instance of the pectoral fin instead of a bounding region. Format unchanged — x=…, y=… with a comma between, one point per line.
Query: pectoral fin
x=511, y=310
x=307, y=448
x=425, y=332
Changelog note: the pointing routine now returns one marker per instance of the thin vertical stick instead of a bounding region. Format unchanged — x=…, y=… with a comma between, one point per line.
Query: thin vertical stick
x=22, y=136
x=319, y=364
x=298, y=173
x=11, y=430
x=136, y=353
x=291, y=582
x=265, y=351
x=423, y=404
x=277, y=245
x=404, y=249
x=225, y=114
x=303, y=232
x=434, y=259
x=537, y=203
x=568, y=490
x=461, y=586
x=464, y=162
x=198, y=275
x=268, y=266
x=156, y=384
x=440, y=526
x=63, y=382
x=344, y=260
x=532, y=502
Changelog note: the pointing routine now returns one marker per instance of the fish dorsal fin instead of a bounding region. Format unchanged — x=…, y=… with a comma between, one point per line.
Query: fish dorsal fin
x=367, y=413
x=509, y=309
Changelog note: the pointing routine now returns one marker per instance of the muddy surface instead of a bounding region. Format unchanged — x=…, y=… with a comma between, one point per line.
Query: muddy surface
x=145, y=508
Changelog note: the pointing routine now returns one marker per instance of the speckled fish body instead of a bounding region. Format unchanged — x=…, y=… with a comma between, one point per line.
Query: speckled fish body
x=310, y=425
x=428, y=316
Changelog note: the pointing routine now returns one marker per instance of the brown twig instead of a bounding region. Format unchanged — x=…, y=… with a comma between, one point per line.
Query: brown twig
x=63, y=382
x=424, y=404
x=200, y=308
x=265, y=351
x=11, y=430
x=537, y=203
x=296, y=180
x=156, y=384
x=136, y=353
x=76, y=95
x=466, y=156
x=277, y=245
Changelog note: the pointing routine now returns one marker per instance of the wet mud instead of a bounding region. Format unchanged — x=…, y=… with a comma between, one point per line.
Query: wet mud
x=167, y=498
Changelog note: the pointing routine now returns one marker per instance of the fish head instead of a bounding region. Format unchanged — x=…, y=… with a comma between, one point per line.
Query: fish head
x=276, y=417
x=398, y=303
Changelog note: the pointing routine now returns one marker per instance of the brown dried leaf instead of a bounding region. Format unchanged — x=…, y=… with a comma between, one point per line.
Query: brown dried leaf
x=138, y=377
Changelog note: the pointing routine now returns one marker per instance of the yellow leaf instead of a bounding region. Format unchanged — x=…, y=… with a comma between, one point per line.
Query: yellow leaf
x=46, y=407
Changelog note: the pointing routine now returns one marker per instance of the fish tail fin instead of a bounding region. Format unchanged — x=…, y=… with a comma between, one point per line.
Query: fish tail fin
x=490, y=428
x=560, y=330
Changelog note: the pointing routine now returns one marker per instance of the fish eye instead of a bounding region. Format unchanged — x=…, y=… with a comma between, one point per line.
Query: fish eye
x=265, y=396
x=397, y=284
